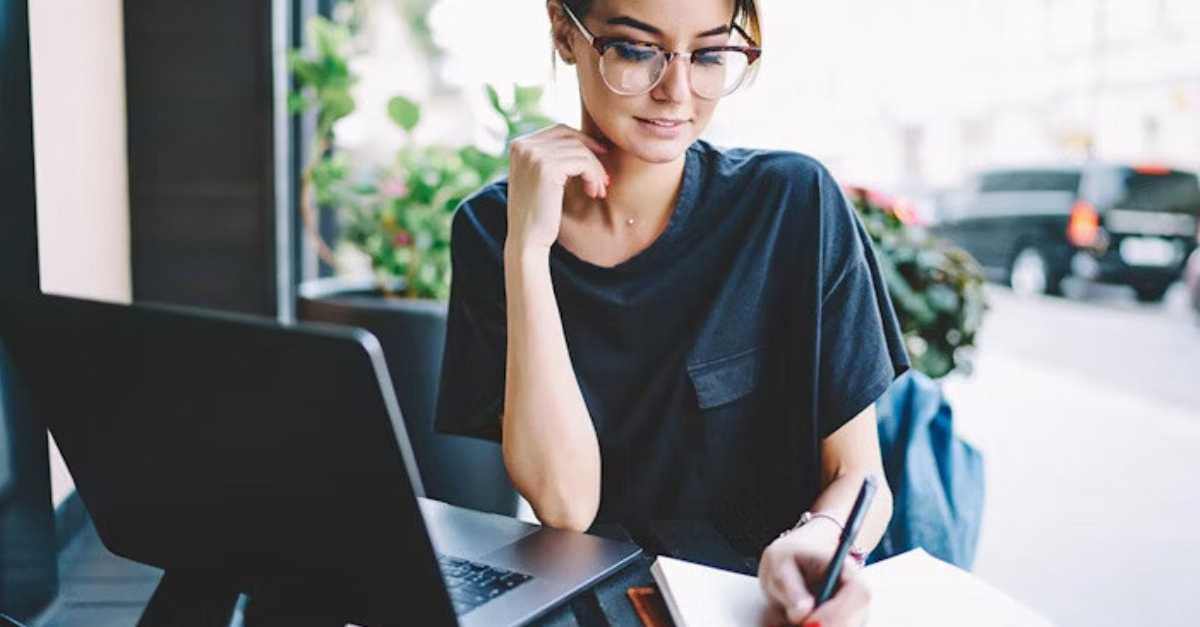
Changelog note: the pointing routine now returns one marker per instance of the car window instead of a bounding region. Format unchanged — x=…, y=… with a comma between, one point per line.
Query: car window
x=1030, y=181
x=1168, y=191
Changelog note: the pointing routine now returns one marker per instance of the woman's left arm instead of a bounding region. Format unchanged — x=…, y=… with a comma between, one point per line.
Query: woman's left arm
x=792, y=567
x=848, y=456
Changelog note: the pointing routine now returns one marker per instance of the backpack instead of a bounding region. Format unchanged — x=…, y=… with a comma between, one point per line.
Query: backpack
x=936, y=478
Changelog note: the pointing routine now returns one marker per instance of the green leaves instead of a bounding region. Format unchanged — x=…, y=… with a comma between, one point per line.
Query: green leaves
x=937, y=289
x=493, y=98
x=322, y=75
x=296, y=103
x=404, y=112
x=411, y=242
x=399, y=215
x=525, y=99
x=523, y=116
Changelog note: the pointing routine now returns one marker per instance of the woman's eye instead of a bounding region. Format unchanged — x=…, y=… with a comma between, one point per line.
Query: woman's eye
x=630, y=51
x=709, y=58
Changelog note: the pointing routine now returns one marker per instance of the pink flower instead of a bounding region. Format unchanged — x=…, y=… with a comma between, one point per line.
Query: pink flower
x=395, y=187
x=402, y=238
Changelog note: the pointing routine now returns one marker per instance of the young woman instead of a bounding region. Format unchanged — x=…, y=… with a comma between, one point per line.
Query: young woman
x=658, y=328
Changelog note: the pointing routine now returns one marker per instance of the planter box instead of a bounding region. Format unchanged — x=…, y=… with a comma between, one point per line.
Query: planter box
x=462, y=471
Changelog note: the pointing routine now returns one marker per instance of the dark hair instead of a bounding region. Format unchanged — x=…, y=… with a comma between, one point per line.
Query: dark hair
x=745, y=14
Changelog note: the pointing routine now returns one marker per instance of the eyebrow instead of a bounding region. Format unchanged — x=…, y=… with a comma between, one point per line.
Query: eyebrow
x=624, y=20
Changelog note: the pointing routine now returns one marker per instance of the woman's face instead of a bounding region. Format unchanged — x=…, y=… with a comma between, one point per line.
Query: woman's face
x=675, y=25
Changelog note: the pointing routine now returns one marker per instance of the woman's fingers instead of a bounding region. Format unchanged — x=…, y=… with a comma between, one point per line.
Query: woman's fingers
x=848, y=606
x=593, y=171
x=561, y=146
x=595, y=181
x=596, y=175
x=781, y=580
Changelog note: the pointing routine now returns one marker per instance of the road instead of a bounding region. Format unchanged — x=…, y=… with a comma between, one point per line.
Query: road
x=1087, y=410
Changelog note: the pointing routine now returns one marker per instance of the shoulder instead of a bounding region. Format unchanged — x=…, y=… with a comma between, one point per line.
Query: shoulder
x=799, y=187
x=763, y=166
x=477, y=233
x=480, y=222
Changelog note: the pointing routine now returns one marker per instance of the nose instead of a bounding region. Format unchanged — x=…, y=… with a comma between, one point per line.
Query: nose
x=674, y=86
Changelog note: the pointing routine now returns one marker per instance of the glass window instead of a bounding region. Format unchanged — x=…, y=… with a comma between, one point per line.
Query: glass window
x=1030, y=181
x=1169, y=191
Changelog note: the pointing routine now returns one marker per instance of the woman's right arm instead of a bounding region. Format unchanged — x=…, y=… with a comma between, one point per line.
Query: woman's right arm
x=549, y=444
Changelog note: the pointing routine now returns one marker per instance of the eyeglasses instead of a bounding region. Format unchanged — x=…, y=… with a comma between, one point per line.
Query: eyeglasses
x=632, y=68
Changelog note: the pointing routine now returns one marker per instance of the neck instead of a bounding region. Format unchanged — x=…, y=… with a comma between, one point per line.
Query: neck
x=639, y=189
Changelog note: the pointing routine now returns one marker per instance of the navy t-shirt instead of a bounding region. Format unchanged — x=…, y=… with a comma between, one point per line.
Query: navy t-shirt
x=712, y=362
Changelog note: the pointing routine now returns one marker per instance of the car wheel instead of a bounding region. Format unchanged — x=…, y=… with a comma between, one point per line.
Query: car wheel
x=1030, y=273
x=1151, y=293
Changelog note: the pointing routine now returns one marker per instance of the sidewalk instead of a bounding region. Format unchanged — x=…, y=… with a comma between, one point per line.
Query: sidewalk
x=1092, y=501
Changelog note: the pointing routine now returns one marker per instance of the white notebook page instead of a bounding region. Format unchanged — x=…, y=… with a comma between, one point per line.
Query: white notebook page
x=909, y=590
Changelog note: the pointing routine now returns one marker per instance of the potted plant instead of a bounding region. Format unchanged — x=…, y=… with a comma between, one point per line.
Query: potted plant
x=936, y=288
x=399, y=216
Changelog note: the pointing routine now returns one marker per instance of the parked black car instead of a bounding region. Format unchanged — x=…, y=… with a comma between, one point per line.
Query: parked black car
x=1109, y=223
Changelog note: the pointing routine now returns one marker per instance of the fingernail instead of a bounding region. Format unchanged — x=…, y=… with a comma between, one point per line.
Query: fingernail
x=813, y=623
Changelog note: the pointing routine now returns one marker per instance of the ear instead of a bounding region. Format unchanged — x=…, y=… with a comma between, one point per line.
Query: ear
x=561, y=30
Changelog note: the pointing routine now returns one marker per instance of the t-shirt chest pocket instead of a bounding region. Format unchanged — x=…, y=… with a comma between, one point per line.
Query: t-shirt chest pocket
x=725, y=379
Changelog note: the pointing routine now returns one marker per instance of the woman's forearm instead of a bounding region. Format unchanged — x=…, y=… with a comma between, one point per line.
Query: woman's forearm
x=838, y=499
x=549, y=443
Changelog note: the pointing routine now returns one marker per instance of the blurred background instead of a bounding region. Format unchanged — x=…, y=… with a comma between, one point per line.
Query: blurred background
x=1027, y=170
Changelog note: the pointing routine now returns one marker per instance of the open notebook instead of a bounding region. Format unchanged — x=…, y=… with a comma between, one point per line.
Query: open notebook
x=913, y=589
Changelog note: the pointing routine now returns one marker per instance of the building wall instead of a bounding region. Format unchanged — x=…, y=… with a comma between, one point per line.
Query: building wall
x=78, y=77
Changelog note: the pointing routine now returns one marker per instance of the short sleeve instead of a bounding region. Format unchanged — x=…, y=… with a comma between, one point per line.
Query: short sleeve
x=861, y=348
x=471, y=386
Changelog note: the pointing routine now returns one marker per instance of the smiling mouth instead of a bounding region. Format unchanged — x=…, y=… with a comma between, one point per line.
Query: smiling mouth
x=663, y=122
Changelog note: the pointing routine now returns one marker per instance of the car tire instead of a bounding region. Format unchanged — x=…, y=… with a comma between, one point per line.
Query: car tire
x=1030, y=274
x=1151, y=292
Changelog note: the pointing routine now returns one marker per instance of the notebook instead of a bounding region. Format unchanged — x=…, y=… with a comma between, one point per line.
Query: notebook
x=913, y=589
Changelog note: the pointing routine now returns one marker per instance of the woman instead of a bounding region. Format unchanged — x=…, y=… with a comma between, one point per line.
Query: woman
x=657, y=328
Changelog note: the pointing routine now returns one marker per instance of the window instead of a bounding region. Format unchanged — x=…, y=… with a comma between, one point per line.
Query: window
x=1030, y=181
x=1169, y=191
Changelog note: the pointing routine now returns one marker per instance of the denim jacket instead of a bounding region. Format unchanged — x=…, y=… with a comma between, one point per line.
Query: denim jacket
x=936, y=478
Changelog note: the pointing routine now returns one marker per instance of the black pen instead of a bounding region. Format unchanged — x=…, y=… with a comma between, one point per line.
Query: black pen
x=861, y=505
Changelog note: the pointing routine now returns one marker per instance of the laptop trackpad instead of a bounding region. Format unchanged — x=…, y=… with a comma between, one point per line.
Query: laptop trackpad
x=466, y=533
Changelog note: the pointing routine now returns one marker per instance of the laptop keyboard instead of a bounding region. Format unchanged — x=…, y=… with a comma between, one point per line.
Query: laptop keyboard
x=472, y=584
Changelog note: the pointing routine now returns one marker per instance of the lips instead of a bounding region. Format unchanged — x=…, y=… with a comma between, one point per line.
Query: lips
x=663, y=122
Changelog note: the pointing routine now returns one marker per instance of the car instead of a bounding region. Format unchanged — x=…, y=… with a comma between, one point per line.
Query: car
x=1116, y=223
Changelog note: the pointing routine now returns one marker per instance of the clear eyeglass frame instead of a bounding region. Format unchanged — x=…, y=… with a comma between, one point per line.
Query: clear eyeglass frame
x=603, y=45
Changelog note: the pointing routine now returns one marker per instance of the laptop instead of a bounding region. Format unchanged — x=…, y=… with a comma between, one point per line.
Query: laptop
x=243, y=450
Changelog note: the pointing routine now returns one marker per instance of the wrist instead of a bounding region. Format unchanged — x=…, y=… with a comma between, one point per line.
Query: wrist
x=825, y=529
x=817, y=531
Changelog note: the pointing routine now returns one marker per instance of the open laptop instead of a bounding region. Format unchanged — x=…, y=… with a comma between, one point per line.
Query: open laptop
x=253, y=452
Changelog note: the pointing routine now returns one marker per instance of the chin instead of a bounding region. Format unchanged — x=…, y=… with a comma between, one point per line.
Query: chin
x=655, y=150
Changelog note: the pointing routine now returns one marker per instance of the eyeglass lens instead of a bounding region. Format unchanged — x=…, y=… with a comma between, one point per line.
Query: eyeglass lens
x=632, y=68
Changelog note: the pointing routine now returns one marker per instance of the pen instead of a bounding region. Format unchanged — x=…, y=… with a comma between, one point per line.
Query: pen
x=861, y=504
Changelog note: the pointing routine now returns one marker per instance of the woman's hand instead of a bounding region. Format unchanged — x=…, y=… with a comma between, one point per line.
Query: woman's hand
x=792, y=569
x=540, y=164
